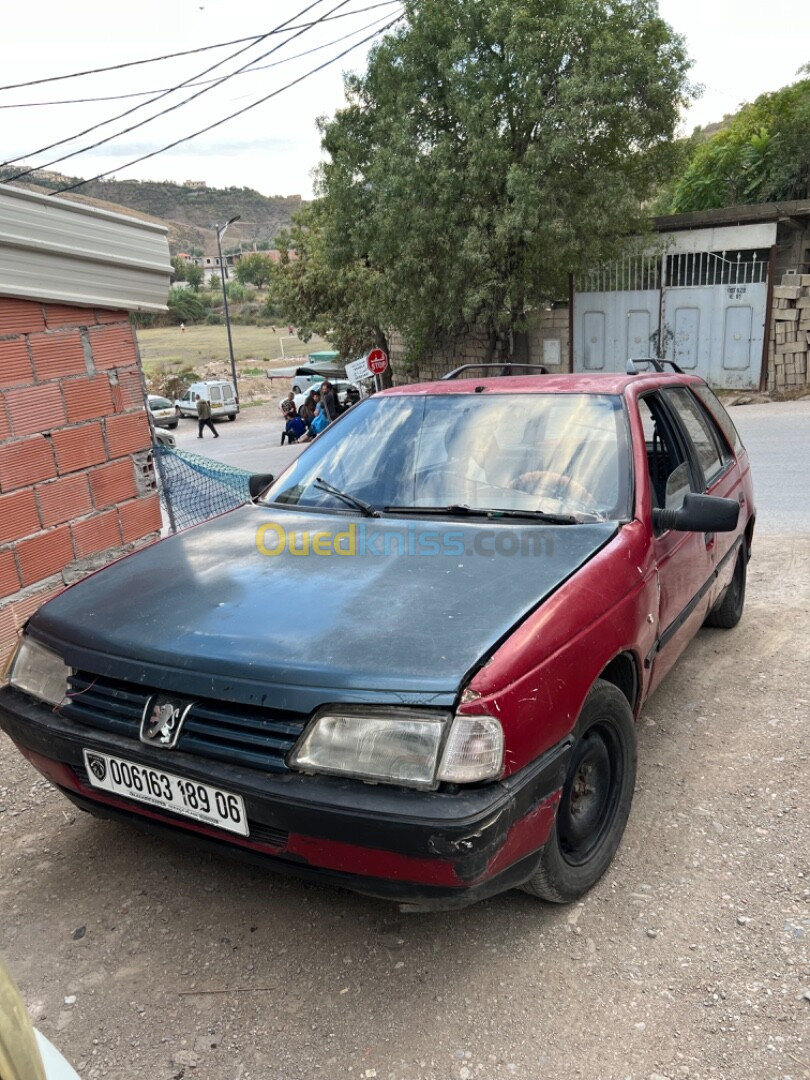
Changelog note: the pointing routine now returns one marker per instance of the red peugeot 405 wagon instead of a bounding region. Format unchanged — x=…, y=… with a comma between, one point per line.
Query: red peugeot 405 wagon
x=412, y=664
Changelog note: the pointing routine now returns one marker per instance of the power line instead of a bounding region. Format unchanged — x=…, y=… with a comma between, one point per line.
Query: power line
x=143, y=104
x=231, y=116
x=154, y=59
x=246, y=71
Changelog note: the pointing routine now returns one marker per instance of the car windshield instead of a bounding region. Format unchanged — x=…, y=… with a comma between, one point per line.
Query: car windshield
x=160, y=403
x=563, y=454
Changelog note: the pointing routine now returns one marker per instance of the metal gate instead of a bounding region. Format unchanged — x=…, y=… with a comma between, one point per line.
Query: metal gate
x=705, y=310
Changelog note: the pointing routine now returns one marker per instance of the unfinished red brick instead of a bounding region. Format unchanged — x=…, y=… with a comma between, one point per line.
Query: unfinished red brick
x=96, y=533
x=5, y=426
x=128, y=391
x=113, y=483
x=128, y=434
x=58, y=354
x=79, y=447
x=45, y=554
x=140, y=518
x=15, y=367
x=14, y=615
x=57, y=315
x=64, y=500
x=25, y=462
x=87, y=399
x=18, y=515
x=35, y=408
x=20, y=316
x=9, y=578
x=113, y=346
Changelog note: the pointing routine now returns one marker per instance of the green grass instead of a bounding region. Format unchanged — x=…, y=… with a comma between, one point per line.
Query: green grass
x=170, y=347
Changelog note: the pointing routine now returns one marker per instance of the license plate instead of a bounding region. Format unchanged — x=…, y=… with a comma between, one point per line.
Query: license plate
x=155, y=787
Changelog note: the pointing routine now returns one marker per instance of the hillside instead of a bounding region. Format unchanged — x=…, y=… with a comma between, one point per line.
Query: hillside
x=188, y=211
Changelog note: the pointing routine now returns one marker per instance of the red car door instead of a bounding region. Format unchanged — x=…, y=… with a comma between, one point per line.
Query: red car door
x=683, y=560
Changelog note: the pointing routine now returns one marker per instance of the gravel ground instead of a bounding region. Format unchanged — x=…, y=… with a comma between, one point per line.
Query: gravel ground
x=141, y=959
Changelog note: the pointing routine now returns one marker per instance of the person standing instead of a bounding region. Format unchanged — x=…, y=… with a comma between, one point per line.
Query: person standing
x=204, y=418
x=329, y=401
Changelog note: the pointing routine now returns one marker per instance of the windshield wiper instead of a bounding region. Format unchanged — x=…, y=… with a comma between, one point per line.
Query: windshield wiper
x=480, y=511
x=358, y=504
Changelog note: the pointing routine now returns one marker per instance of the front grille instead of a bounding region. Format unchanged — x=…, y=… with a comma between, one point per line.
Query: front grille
x=238, y=734
x=259, y=833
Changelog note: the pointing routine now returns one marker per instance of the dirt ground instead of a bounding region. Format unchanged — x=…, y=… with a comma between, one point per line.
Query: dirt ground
x=141, y=959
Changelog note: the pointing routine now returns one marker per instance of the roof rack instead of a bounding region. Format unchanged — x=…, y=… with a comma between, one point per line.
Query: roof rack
x=654, y=362
x=503, y=369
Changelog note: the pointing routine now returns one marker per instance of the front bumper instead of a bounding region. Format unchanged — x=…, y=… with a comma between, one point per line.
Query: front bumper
x=428, y=850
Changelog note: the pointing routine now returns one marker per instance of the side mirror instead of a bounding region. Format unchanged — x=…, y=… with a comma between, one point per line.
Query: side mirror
x=258, y=482
x=699, y=513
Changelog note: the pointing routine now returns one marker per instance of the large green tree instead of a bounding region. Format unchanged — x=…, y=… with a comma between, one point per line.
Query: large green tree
x=254, y=269
x=491, y=147
x=761, y=155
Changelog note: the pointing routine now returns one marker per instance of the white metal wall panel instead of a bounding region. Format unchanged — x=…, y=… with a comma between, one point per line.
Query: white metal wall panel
x=614, y=326
x=55, y=250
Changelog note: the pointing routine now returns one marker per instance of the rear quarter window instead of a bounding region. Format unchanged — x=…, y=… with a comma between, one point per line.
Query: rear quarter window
x=711, y=401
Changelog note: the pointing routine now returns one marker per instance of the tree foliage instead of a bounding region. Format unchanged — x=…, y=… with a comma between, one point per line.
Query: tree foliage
x=254, y=269
x=185, y=306
x=194, y=275
x=762, y=155
x=489, y=149
x=338, y=297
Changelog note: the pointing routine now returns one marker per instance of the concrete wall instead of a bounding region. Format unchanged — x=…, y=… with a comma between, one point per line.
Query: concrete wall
x=77, y=486
x=548, y=344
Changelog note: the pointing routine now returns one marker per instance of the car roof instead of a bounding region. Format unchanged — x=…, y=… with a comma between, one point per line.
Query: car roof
x=592, y=383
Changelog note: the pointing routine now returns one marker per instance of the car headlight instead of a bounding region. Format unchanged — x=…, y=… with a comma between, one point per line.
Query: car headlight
x=401, y=746
x=39, y=672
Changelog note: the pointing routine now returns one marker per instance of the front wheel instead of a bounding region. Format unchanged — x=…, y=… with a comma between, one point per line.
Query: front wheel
x=595, y=802
x=729, y=611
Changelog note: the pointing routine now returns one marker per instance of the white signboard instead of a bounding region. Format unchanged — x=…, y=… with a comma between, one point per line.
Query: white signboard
x=357, y=370
x=551, y=352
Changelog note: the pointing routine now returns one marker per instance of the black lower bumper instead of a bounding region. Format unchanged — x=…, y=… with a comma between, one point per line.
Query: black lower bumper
x=428, y=850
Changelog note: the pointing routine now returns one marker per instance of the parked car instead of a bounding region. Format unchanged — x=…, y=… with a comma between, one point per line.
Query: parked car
x=219, y=393
x=307, y=377
x=163, y=411
x=510, y=567
x=165, y=438
x=25, y=1053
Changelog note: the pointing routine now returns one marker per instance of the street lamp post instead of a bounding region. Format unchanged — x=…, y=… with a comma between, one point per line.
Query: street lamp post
x=220, y=233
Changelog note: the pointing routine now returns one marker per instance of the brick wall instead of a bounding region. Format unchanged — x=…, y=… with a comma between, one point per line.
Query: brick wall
x=77, y=487
x=789, y=340
x=548, y=342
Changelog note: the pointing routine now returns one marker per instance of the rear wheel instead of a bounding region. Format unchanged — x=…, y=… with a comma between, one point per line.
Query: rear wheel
x=729, y=611
x=595, y=802
x=231, y=416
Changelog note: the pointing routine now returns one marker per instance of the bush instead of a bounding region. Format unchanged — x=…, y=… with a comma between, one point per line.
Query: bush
x=185, y=306
x=213, y=318
x=235, y=291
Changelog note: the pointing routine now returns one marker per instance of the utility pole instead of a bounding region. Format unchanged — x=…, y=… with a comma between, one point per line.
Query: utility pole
x=220, y=233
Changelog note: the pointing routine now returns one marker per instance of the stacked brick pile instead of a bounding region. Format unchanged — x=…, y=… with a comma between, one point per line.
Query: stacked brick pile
x=76, y=480
x=790, y=333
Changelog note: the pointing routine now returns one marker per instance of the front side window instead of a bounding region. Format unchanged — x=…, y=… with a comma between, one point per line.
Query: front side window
x=699, y=429
x=556, y=453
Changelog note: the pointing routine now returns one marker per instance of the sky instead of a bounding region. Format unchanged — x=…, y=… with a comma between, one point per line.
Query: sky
x=740, y=48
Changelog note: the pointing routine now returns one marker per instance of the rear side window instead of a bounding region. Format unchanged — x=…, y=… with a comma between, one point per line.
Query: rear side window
x=701, y=431
x=724, y=421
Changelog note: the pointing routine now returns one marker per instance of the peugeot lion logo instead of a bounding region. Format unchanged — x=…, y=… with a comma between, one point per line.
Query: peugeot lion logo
x=98, y=766
x=162, y=720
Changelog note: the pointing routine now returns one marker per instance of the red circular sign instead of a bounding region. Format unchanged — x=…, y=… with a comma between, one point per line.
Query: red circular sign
x=377, y=361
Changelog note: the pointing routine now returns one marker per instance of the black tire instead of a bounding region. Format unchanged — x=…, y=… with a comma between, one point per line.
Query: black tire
x=728, y=612
x=171, y=427
x=590, y=821
x=232, y=416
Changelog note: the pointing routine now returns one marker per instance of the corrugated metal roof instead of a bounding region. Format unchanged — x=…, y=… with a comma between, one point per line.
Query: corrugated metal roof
x=51, y=249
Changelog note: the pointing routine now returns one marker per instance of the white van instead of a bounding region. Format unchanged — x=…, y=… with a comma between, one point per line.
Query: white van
x=219, y=393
